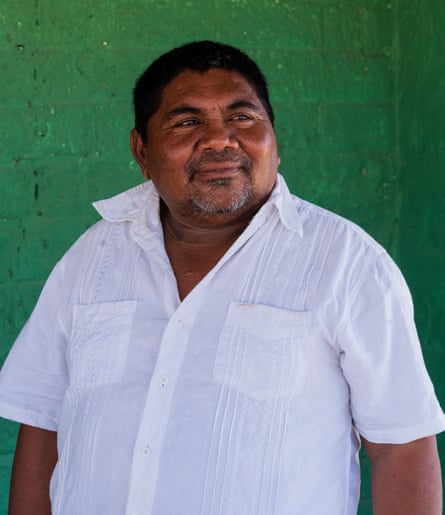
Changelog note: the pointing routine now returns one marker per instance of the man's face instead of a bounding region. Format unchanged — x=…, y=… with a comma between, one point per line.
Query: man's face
x=211, y=150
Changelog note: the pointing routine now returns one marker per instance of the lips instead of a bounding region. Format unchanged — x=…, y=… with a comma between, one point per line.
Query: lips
x=228, y=167
x=217, y=172
x=218, y=165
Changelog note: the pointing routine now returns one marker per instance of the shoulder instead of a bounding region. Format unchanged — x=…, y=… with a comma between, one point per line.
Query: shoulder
x=350, y=260
x=344, y=237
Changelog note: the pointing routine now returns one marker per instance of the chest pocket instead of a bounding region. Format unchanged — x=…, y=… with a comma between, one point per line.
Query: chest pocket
x=99, y=342
x=263, y=351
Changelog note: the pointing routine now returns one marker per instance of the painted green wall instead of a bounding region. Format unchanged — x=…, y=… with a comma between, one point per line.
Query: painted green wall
x=421, y=246
x=356, y=90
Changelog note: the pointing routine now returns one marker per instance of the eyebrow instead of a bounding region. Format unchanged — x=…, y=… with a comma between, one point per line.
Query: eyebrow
x=188, y=109
x=182, y=109
x=244, y=103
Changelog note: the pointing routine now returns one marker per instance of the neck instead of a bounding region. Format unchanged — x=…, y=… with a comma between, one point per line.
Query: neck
x=194, y=251
x=192, y=236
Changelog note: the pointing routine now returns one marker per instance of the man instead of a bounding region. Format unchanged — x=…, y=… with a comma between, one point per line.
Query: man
x=216, y=345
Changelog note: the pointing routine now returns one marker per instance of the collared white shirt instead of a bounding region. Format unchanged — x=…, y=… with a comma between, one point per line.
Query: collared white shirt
x=247, y=397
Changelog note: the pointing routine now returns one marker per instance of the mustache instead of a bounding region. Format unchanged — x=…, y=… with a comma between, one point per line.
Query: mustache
x=211, y=156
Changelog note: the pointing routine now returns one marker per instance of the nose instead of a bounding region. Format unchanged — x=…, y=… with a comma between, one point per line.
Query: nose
x=217, y=135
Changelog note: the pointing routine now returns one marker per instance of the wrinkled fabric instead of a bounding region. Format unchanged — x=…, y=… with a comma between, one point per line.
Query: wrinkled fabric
x=246, y=398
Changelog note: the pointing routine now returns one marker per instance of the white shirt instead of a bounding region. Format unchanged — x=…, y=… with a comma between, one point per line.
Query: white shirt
x=245, y=398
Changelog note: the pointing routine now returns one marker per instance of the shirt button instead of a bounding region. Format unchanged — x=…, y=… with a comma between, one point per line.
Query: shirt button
x=179, y=321
x=145, y=451
x=163, y=380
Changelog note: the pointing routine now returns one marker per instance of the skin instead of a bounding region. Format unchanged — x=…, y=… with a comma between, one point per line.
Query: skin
x=212, y=154
x=406, y=478
x=34, y=461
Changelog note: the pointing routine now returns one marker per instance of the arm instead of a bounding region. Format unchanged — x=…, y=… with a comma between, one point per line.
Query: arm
x=406, y=478
x=34, y=461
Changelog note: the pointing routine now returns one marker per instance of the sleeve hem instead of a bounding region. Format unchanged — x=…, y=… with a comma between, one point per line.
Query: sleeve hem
x=401, y=435
x=26, y=417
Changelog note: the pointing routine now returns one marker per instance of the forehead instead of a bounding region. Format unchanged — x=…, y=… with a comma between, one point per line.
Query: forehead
x=214, y=86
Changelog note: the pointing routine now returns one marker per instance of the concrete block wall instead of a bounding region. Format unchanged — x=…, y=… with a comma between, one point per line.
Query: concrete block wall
x=421, y=246
x=68, y=69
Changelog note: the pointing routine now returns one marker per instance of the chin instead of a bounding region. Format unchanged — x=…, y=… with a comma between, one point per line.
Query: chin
x=212, y=206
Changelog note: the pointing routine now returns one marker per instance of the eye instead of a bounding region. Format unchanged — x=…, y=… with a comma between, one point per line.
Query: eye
x=187, y=123
x=241, y=117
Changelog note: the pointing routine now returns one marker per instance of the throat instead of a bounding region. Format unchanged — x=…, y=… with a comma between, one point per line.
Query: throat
x=191, y=262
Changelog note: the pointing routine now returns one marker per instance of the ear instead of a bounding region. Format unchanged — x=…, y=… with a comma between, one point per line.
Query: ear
x=139, y=149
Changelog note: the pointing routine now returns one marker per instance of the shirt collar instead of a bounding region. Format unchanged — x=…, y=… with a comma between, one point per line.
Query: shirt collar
x=286, y=205
x=131, y=204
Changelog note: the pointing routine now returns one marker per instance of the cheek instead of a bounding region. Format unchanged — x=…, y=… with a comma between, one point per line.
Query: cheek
x=264, y=150
x=259, y=136
x=166, y=166
x=174, y=154
x=165, y=160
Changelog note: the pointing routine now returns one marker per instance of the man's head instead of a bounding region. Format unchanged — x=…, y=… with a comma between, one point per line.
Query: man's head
x=198, y=56
x=204, y=134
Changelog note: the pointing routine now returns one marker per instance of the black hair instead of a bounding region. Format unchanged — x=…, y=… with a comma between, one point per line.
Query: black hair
x=197, y=56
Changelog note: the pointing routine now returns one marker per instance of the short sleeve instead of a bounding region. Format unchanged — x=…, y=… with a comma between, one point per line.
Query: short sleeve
x=392, y=397
x=33, y=379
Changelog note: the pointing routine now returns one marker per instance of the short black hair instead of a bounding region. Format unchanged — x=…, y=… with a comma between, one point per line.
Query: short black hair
x=197, y=56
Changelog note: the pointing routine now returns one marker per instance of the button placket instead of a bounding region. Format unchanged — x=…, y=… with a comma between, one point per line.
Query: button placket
x=157, y=407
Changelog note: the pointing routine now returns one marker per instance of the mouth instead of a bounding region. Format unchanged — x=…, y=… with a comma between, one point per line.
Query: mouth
x=214, y=171
x=218, y=166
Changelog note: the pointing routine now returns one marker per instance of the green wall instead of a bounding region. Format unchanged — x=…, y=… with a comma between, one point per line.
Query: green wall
x=421, y=134
x=356, y=87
